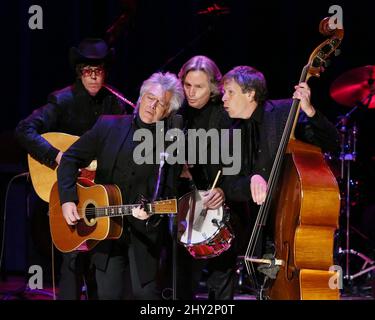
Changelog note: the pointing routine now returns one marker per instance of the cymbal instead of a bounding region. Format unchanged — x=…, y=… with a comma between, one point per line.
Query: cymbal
x=355, y=86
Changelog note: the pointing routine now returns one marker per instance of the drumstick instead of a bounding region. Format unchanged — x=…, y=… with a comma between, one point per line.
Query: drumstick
x=215, y=181
x=199, y=221
x=214, y=184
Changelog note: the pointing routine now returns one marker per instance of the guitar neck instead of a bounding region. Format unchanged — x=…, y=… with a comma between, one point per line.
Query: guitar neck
x=117, y=211
x=157, y=207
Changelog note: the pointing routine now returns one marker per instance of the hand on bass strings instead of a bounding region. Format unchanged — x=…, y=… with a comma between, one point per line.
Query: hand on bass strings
x=258, y=188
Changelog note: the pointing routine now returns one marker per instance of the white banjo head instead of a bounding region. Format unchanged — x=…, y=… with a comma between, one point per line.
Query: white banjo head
x=198, y=226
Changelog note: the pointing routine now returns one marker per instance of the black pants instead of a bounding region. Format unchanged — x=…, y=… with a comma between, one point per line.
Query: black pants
x=220, y=277
x=119, y=280
x=74, y=273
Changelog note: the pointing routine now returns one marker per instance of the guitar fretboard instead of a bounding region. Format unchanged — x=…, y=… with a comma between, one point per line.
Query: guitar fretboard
x=115, y=211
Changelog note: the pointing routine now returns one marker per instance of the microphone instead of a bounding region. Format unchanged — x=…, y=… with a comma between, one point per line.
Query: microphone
x=163, y=156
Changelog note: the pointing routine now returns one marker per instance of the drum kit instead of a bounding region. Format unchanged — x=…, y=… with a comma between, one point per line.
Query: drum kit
x=356, y=89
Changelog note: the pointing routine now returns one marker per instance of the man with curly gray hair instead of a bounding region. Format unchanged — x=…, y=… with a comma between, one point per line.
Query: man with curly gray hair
x=169, y=83
x=135, y=255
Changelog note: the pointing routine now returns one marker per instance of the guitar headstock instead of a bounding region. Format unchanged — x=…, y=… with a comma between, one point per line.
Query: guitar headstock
x=319, y=57
x=164, y=206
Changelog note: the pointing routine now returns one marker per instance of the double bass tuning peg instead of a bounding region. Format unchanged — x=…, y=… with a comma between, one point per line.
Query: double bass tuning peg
x=327, y=62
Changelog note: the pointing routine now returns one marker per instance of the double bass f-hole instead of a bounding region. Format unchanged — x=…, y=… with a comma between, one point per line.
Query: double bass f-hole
x=289, y=271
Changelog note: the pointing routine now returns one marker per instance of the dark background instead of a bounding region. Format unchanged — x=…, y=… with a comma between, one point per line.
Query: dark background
x=275, y=37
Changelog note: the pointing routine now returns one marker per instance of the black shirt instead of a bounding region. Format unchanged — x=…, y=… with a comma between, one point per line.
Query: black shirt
x=261, y=135
x=127, y=173
x=70, y=110
x=210, y=116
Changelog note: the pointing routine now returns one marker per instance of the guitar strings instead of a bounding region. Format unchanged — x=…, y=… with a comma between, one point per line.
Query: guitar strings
x=100, y=212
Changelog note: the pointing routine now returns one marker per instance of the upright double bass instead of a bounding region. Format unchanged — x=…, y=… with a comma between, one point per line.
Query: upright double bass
x=302, y=204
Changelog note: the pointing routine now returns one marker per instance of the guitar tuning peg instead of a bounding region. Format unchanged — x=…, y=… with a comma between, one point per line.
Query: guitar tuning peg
x=337, y=52
x=327, y=63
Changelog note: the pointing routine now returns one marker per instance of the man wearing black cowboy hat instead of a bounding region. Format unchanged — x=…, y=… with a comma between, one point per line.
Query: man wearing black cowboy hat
x=73, y=110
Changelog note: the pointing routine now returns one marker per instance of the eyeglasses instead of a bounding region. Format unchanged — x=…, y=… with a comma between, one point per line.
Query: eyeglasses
x=88, y=71
x=155, y=101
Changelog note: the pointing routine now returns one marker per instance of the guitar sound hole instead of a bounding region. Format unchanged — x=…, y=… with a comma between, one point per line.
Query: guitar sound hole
x=87, y=226
x=89, y=213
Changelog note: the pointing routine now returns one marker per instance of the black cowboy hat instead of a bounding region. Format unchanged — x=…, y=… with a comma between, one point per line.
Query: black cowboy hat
x=91, y=51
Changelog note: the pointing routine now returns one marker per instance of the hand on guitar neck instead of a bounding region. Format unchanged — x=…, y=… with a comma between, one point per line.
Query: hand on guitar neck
x=140, y=213
x=71, y=215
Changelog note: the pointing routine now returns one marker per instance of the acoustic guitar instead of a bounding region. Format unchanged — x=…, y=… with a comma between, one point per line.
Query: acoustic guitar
x=100, y=208
x=42, y=176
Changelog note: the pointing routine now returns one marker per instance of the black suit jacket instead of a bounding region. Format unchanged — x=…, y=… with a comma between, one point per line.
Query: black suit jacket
x=70, y=110
x=215, y=118
x=104, y=142
x=316, y=130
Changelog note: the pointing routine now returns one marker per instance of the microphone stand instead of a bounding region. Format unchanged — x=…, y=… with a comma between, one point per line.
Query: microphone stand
x=174, y=121
x=118, y=95
x=174, y=255
x=172, y=227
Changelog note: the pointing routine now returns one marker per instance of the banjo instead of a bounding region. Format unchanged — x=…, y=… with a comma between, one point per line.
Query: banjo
x=205, y=233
